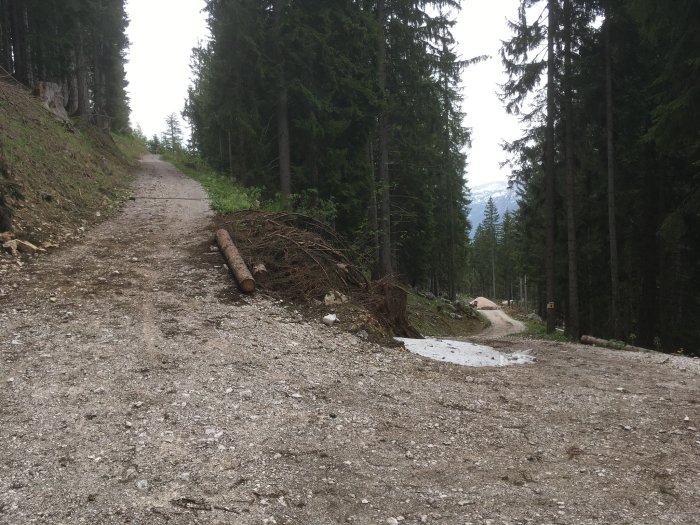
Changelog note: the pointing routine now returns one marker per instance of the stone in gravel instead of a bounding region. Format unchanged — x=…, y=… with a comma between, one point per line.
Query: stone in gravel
x=246, y=394
x=392, y=521
x=330, y=319
x=142, y=484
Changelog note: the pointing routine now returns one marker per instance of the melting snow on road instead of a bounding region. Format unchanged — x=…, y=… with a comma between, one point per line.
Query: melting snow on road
x=463, y=353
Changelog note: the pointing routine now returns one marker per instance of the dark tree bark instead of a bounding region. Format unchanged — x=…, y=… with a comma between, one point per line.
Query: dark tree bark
x=549, y=175
x=6, y=36
x=385, y=226
x=573, y=310
x=612, y=226
x=21, y=47
x=283, y=114
x=82, y=80
x=372, y=215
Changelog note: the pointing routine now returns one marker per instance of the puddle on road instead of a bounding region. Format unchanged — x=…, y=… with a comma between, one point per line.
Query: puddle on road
x=463, y=353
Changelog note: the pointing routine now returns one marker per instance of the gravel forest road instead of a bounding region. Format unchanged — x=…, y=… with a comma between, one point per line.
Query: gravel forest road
x=136, y=386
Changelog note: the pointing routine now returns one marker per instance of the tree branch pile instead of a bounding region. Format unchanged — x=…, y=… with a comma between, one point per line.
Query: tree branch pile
x=304, y=260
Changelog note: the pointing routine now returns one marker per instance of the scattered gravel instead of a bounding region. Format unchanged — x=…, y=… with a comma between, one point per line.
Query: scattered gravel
x=159, y=395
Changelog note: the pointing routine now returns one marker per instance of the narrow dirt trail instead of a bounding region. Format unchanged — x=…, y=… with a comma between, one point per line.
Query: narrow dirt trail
x=136, y=386
x=501, y=324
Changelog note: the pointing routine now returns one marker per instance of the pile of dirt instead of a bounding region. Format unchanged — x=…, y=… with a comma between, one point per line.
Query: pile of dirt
x=308, y=262
x=482, y=303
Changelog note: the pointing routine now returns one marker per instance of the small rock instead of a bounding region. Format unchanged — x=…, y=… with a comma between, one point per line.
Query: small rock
x=335, y=297
x=128, y=424
x=134, y=259
x=364, y=502
x=246, y=394
x=392, y=521
x=52, y=299
x=330, y=319
x=534, y=317
x=362, y=334
x=142, y=484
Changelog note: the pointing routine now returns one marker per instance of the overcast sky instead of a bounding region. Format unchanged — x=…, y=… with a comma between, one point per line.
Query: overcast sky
x=163, y=33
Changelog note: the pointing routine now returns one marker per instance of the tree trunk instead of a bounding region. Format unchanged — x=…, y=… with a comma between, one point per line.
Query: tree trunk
x=82, y=80
x=20, y=43
x=283, y=142
x=385, y=226
x=6, y=42
x=573, y=318
x=612, y=226
x=373, y=217
x=235, y=262
x=549, y=175
x=283, y=113
x=230, y=157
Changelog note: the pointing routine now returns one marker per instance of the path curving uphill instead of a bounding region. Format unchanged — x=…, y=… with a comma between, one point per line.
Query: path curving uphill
x=501, y=324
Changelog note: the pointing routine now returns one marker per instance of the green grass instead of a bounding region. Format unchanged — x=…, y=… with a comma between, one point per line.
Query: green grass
x=536, y=330
x=57, y=175
x=225, y=195
x=130, y=146
x=432, y=318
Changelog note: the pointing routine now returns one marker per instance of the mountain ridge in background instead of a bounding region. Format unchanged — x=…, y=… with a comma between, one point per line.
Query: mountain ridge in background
x=503, y=198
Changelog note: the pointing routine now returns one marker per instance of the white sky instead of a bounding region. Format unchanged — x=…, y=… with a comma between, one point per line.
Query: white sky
x=163, y=33
x=479, y=31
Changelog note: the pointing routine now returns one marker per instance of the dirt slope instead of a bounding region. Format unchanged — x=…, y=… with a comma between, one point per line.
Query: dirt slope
x=501, y=324
x=147, y=391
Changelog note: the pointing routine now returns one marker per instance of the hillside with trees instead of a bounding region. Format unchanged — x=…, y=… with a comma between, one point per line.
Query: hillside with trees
x=608, y=171
x=79, y=45
x=352, y=107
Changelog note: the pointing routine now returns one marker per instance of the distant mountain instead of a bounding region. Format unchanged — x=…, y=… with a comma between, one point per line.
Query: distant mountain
x=503, y=198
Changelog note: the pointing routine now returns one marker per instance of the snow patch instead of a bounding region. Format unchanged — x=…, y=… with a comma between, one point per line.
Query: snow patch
x=463, y=353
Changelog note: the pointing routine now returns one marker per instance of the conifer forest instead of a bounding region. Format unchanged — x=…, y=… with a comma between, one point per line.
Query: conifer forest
x=353, y=108
x=80, y=45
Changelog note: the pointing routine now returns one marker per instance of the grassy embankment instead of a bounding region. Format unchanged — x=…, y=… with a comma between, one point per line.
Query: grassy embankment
x=55, y=177
x=225, y=196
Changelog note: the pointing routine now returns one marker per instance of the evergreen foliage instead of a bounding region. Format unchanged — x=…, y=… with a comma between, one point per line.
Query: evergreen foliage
x=77, y=44
x=633, y=157
x=356, y=87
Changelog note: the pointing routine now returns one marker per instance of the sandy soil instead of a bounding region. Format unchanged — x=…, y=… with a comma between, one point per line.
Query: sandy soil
x=137, y=387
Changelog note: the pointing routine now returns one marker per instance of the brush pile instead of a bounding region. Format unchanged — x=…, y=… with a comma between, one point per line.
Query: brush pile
x=306, y=261
x=303, y=257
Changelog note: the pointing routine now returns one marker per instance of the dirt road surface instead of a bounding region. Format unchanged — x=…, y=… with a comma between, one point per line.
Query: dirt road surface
x=137, y=387
x=501, y=324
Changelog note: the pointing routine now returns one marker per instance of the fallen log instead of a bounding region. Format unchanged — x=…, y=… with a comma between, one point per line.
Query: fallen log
x=235, y=262
x=616, y=345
